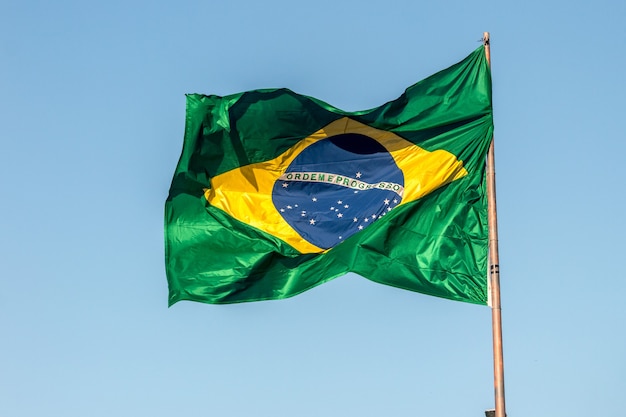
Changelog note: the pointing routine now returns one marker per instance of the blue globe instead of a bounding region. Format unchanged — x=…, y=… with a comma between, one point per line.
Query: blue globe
x=337, y=187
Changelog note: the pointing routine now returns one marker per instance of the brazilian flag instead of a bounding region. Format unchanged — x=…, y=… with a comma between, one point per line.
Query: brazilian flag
x=277, y=192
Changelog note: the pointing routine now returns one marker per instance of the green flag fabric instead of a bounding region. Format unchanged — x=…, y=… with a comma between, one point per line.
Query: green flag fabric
x=276, y=192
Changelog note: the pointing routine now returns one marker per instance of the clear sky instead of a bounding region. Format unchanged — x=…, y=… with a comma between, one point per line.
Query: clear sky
x=91, y=126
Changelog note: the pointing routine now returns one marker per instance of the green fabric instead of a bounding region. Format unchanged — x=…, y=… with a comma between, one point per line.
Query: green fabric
x=435, y=245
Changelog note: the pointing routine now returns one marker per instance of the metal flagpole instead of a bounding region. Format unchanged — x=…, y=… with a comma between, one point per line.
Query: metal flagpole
x=494, y=270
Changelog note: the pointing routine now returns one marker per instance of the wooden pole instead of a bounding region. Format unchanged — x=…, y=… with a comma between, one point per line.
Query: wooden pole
x=494, y=271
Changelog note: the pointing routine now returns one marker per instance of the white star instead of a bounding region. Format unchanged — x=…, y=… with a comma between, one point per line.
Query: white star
x=285, y=185
x=314, y=199
x=360, y=227
x=340, y=237
x=282, y=210
x=358, y=175
x=355, y=220
x=388, y=208
x=386, y=201
x=356, y=192
x=366, y=220
x=289, y=207
x=311, y=222
x=340, y=215
x=373, y=215
x=303, y=214
x=332, y=208
x=346, y=206
x=296, y=205
x=339, y=202
x=395, y=201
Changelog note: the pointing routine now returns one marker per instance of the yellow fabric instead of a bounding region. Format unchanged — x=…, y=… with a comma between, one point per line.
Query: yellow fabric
x=246, y=193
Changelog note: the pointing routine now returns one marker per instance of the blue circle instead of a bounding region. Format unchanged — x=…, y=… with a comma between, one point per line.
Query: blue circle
x=337, y=187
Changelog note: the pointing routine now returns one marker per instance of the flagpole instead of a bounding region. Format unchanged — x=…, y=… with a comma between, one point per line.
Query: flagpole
x=494, y=270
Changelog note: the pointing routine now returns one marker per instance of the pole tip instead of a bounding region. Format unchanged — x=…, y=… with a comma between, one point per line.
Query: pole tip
x=485, y=38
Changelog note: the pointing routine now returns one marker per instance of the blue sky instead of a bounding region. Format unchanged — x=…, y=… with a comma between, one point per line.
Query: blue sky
x=91, y=127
